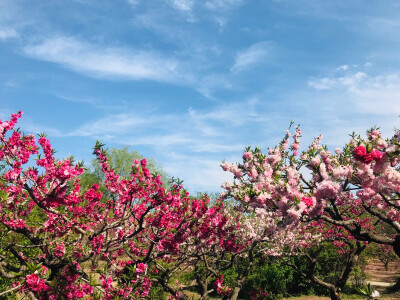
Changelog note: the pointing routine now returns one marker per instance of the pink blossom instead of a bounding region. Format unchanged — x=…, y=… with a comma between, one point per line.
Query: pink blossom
x=295, y=146
x=218, y=285
x=225, y=166
x=141, y=268
x=308, y=201
x=35, y=283
x=106, y=283
x=327, y=189
x=247, y=155
x=16, y=224
x=360, y=154
x=226, y=185
x=315, y=161
x=60, y=250
x=253, y=172
x=235, y=170
x=294, y=214
x=376, y=155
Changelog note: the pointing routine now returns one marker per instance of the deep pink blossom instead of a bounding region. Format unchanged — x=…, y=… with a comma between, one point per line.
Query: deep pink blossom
x=34, y=283
x=360, y=154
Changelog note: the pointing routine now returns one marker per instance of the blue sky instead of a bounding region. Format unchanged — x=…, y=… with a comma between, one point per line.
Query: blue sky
x=191, y=83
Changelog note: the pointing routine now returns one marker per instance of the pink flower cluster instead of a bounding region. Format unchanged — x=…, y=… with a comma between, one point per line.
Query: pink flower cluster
x=338, y=190
x=220, y=288
x=361, y=154
x=283, y=201
x=60, y=250
x=34, y=283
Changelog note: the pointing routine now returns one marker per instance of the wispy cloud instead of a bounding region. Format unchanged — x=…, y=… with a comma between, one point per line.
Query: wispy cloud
x=166, y=140
x=256, y=53
x=10, y=83
x=209, y=83
x=161, y=22
x=342, y=68
x=101, y=104
x=190, y=145
x=79, y=100
x=133, y=3
x=199, y=130
x=8, y=33
x=33, y=127
x=378, y=95
x=231, y=114
x=218, y=5
x=107, y=62
x=113, y=125
x=327, y=83
x=201, y=174
x=183, y=5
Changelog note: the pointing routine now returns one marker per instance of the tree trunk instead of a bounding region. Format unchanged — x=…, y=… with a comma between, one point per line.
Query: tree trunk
x=387, y=265
x=396, y=245
x=351, y=261
x=395, y=288
x=242, y=278
x=203, y=286
x=236, y=291
x=169, y=288
x=204, y=292
x=335, y=295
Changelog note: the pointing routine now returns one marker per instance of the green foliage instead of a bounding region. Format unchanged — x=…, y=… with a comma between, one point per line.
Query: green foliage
x=359, y=274
x=213, y=196
x=299, y=285
x=157, y=293
x=330, y=263
x=186, y=277
x=268, y=275
x=121, y=161
x=272, y=275
x=14, y=258
x=366, y=291
x=230, y=276
x=382, y=252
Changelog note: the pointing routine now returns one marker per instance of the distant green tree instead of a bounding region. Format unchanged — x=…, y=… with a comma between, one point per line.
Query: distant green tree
x=121, y=161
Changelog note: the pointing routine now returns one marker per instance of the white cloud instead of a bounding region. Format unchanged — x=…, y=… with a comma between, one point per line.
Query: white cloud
x=76, y=99
x=322, y=84
x=218, y=5
x=208, y=84
x=11, y=84
x=214, y=147
x=211, y=130
x=6, y=34
x=377, y=95
x=205, y=123
x=30, y=126
x=97, y=61
x=257, y=53
x=97, y=103
x=232, y=114
x=133, y=3
x=113, y=125
x=166, y=140
x=200, y=174
x=200, y=138
x=185, y=141
x=183, y=5
x=344, y=68
x=346, y=81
